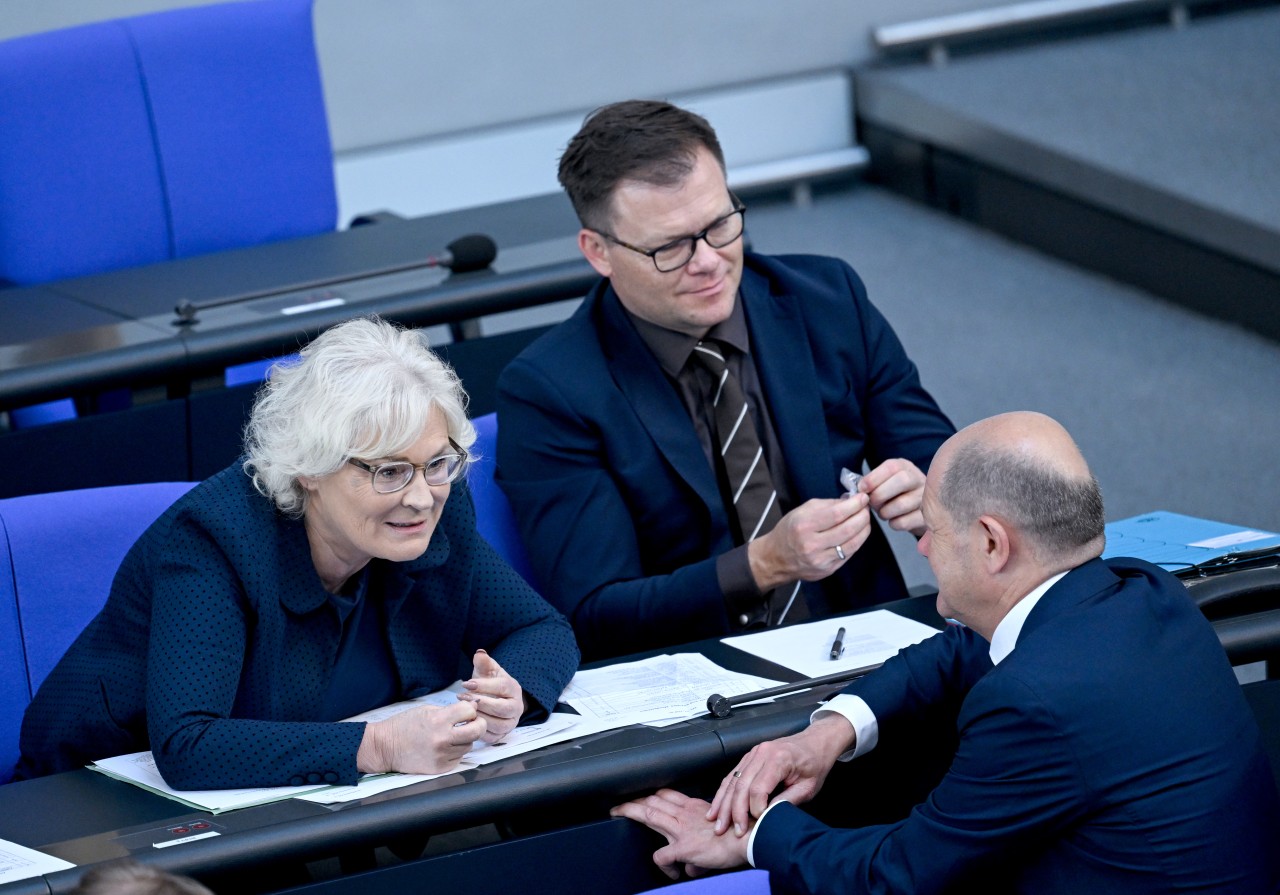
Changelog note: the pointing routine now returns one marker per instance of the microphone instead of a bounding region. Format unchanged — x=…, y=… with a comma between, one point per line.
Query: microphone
x=722, y=706
x=475, y=251
x=466, y=254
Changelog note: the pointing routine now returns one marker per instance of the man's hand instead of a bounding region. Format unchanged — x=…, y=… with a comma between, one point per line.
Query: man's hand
x=801, y=761
x=802, y=546
x=425, y=740
x=691, y=841
x=497, y=696
x=895, y=489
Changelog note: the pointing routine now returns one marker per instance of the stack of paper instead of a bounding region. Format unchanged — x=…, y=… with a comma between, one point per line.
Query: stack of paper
x=657, y=691
x=560, y=726
x=140, y=767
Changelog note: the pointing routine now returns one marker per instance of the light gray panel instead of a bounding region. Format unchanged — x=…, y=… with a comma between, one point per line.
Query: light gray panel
x=1173, y=127
x=401, y=70
x=410, y=69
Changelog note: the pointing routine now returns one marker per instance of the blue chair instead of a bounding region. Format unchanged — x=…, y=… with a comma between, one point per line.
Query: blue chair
x=741, y=882
x=494, y=519
x=58, y=555
x=15, y=688
x=255, y=372
x=160, y=136
x=43, y=414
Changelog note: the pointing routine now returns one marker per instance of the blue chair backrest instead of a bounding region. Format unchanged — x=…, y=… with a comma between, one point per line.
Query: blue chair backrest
x=494, y=519
x=15, y=688
x=58, y=555
x=42, y=414
x=161, y=136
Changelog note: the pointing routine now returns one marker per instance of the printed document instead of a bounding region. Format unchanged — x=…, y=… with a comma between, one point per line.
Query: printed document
x=140, y=769
x=19, y=862
x=869, y=639
x=658, y=691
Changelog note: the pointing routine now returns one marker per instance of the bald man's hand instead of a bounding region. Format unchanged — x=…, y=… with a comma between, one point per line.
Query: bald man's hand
x=799, y=762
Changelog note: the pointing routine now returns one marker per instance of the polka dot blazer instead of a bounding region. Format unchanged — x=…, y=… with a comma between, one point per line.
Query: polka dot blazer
x=216, y=646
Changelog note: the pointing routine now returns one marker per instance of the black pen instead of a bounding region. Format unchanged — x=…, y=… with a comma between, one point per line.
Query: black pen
x=837, y=648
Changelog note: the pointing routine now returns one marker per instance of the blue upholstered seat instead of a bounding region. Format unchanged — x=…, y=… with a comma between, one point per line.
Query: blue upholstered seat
x=80, y=186
x=160, y=136
x=741, y=882
x=493, y=513
x=58, y=555
x=15, y=689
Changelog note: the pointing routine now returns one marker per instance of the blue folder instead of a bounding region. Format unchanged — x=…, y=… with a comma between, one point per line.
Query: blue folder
x=1188, y=545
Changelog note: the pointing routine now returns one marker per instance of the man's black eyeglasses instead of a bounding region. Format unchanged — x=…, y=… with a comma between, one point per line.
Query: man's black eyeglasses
x=677, y=253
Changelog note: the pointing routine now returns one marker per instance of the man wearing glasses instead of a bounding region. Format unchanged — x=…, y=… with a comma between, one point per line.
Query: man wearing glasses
x=673, y=451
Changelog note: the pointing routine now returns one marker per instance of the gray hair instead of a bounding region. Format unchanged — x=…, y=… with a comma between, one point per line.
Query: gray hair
x=1060, y=513
x=130, y=877
x=363, y=388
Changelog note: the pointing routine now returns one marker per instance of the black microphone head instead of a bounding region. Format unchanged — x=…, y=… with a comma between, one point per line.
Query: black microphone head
x=472, y=252
x=186, y=313
x=719, y=706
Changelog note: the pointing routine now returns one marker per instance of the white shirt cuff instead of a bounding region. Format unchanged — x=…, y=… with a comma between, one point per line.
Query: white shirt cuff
x=751, y=837
x=859, y=714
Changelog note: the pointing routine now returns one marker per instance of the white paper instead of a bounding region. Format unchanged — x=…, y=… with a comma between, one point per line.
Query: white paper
x=559, y=727
x=441, y=698
x=869, y=639
x=370, y=785
x=1230, y=540
x=19, y=862
x=139, y=768
x=659, y=691
x=517, y=740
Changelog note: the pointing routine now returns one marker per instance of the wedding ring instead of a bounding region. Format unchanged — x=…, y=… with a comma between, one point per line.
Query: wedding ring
x=737, y=773
x=839, y=552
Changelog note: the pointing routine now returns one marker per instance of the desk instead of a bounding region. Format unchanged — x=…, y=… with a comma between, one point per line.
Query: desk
x=88, y=336
x=119, y=329
x=85, y=817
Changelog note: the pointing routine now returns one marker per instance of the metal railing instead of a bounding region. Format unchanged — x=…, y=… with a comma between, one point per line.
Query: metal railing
x=936, y=35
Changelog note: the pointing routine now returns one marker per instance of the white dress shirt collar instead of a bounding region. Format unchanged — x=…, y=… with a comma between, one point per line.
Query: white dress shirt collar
x=1005, y=636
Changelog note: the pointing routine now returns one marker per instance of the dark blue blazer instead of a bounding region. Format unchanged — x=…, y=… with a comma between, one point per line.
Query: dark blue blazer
x=216, y=646
x=616, y=501
x=1111, y=751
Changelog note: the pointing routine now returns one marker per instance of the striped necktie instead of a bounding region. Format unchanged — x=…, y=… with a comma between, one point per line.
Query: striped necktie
x=741, y=459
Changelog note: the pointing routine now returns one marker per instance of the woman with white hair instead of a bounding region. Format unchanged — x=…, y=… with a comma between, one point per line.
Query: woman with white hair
x=334, y=569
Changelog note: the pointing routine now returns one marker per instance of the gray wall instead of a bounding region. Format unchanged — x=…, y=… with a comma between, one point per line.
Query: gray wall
x=400, y=70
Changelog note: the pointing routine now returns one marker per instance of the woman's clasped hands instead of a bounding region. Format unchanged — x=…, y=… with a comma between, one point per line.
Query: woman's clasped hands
x=433, y=739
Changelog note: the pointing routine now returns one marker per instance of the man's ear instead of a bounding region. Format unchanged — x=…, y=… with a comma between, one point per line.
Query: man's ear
x=996, y=544
x=592, y=246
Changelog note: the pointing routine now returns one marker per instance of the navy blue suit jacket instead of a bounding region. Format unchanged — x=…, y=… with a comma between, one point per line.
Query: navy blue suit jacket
x=1111, y=751
x=216, y=646
x=615, y=499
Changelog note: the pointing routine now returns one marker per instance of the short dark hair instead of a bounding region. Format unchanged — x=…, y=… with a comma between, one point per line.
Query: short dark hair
x=646, y=140
x=1060, y=513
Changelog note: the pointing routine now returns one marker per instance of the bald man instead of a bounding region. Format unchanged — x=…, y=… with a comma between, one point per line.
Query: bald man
x=1104, y=744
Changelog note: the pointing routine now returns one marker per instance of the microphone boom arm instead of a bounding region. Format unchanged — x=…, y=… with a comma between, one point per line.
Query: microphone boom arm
x=722, y=706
